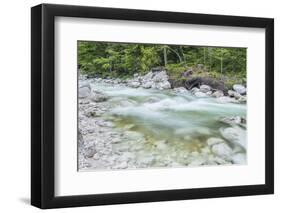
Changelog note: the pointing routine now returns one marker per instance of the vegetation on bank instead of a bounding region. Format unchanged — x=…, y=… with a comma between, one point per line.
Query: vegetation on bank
x=105, y=59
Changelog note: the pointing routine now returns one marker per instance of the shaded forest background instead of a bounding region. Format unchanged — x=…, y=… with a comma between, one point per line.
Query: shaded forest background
x=122, y=60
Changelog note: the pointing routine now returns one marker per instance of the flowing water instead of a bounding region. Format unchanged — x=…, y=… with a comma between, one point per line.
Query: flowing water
x=182, y=120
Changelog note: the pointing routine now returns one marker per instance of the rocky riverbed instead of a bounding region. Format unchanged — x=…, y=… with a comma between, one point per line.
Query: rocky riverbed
x=144, y=123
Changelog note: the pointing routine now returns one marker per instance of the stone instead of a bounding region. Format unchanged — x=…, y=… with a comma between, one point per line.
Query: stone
x=218, y=94
x=84, y=92
x=80, y=138
x=205, y=88
x=187, y=73
x=134, y=84
x=197, y=162
x=240, y=89
x=213, y=141
x=147, y=85
x=222, y=150
x=180, y=90
x=90, y=152
x=234, y=94
x=239, y=158
x=164, y=85
x=160, y=76
x=235, y=135
x=161, y=144
x=242, y=99
x=225, y=99
x=200, y=94
x=97, y=96
x=231, y=120
x=122, y=165
x=147, y=160
x=194, y=90
x=147, y=77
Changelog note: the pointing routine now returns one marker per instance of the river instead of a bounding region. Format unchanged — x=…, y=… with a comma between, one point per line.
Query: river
x=175, y=126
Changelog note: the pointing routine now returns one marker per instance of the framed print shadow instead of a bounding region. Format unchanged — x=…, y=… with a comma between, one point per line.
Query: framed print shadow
x=133, y=106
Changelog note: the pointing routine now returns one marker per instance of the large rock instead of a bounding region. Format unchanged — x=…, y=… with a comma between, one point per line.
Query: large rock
x=90, y=152
x=218, y=94
x=98, y=96
x=84, y=92
x=239, y=158
x=163, y=85
x=147, y=77
x=212, y=82
x=147, y=84
x=200, y=94
x=240, y=89
x=134, y=84
x=242, y=99
x=222, y=150
x=205, y=88
x=235, y=135
x=234, y=94
x=160, y=76
x=194, y=90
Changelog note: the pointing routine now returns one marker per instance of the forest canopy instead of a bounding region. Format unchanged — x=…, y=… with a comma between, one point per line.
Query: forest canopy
x=122, y=60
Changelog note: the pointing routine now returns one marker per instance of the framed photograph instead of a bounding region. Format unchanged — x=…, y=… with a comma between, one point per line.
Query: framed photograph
x=139, y=106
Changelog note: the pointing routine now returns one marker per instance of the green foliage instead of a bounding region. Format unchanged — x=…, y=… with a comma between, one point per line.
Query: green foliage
x=120, y=60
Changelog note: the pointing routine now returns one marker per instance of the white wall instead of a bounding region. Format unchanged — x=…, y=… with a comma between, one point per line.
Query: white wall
x=15, y=105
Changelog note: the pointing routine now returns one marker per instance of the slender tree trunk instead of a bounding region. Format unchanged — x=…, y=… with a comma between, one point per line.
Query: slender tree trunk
x=183, y=56
x=210, y=58
x=204, y=56
x=221, y=64
x=180, y=59
x=165, y=56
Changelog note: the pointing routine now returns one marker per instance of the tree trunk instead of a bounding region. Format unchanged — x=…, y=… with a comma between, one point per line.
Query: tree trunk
x=210, y=58
x=165, y=56
x=221, y=64
x=180, y=59
x=204, y=56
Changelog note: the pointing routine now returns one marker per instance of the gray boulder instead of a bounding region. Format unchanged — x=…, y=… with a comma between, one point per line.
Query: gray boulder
x=134, y=84
x=194, y=90
x=163, y=85
x=222, y=150
x=234, y=94
x=240, y=89
x=160, y=76
x=84, y=92
x=200, y=94
x=239, y=158
x=218, y=94
x=235, y=135
x=98, y=96
x=147, y=77
x=180, y=90
x=205, y=88
x=147, y=84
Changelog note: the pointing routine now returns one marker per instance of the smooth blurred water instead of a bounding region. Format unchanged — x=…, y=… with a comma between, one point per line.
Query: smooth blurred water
x=182, y=119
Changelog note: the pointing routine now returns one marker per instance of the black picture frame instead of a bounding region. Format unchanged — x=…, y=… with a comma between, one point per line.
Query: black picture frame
x=43, y=102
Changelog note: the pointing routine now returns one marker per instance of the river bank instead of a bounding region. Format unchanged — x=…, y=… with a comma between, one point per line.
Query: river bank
x=142, y=122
